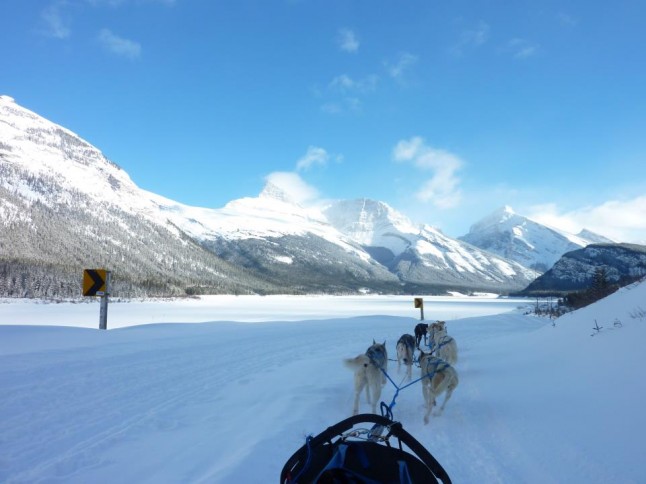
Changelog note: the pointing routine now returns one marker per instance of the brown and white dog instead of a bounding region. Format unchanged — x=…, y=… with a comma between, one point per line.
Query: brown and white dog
x=368, y=374
x=406, y=353
x=437, y=377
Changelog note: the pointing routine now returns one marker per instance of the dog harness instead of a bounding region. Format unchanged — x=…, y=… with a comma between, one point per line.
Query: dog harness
x=444, y=341
x=433, y=366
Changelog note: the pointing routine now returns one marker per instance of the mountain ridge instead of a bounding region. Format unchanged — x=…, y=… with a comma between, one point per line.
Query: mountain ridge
x=55, y=184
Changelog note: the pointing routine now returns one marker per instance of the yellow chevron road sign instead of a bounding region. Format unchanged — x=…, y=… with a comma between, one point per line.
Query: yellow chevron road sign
x=94, y=282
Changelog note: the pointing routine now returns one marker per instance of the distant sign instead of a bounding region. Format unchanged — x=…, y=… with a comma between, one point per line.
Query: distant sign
x=419, y=302
x=94, y=282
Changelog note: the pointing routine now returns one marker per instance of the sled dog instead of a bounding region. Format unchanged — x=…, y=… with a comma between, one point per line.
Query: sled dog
x=406, y=353
x=368, y=374
x=442, y=345
x=437, y=377
x=420, y=332
x=435, y=329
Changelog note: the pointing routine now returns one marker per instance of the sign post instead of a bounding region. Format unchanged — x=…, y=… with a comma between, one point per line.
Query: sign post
x=96, y=282
x=419, y=303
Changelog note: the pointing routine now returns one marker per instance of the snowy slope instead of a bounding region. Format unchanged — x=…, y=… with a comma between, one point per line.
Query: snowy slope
x=66, y=207
x=229, y=402
x=41, y=149
x=520, y=239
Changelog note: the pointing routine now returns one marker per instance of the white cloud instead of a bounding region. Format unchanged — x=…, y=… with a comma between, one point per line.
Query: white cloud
x=567, y=20
x=472, y=38
x=343, y=91
x=57, y=25
x=118, y=45
x=314, y=156
x=332, y=108
x=348, y=41
x=293, y=185
x=623, y=221
x=346, y=83
x=442, y=189
x=522, y=49
x=398, y=70
x=342, y=106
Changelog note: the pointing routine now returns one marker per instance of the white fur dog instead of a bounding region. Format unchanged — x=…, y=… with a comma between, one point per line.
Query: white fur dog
x=443, y=345
x=437, y=377
x=406, y=353
x=368, y=374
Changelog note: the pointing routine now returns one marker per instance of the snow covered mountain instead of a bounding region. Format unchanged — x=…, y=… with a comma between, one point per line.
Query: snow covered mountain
x=275, y=237
x=422, y=254
x=66, y=207
x=529, y=243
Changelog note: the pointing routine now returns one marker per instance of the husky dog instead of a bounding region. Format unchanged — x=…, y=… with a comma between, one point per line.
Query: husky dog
x=438, y=327
x=406, y=353
x=446, y=348
x=443, y=345
x=437, y=377
x=368, y=373
x=420, y=332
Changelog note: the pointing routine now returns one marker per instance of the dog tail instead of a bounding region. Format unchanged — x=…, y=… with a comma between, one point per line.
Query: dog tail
x=356, y=362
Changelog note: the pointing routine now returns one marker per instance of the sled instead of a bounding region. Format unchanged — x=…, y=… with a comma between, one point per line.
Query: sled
x=382, y=453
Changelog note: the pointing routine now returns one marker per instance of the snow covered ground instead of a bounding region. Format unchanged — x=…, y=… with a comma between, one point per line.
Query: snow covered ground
x=230, y=401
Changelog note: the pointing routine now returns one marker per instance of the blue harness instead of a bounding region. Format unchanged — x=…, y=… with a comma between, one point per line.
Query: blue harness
x=432, y=367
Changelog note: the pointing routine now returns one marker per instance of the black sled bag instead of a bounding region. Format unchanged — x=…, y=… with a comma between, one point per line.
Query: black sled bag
x=344, y=455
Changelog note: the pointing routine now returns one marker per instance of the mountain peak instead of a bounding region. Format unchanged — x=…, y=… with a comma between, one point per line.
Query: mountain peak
x=521, y=239
x=274, y=192
x=7, y=99
x=504, y=212
x=594, y=237
x=496, y=218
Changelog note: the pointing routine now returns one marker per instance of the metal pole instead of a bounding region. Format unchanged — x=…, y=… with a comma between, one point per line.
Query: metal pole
x=103, y=313
x=421, y=312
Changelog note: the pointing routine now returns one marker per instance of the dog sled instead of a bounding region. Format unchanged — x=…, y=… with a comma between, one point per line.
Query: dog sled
x=351, y=453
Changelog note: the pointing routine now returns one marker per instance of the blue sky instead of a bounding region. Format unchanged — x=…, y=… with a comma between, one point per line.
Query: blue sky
x=444, y=110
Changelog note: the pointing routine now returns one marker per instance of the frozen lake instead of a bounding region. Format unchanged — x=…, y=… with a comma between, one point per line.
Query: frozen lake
x=249, y=309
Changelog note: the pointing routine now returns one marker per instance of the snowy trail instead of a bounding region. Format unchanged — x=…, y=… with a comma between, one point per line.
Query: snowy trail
x=230, y=402
x=107, y=396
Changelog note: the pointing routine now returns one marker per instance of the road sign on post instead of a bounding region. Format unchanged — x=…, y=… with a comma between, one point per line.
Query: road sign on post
x=96, y=282
x=419, y=303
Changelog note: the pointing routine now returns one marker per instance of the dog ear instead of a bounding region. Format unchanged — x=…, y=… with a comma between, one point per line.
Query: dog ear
x=373, y=341
x=384, y=343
